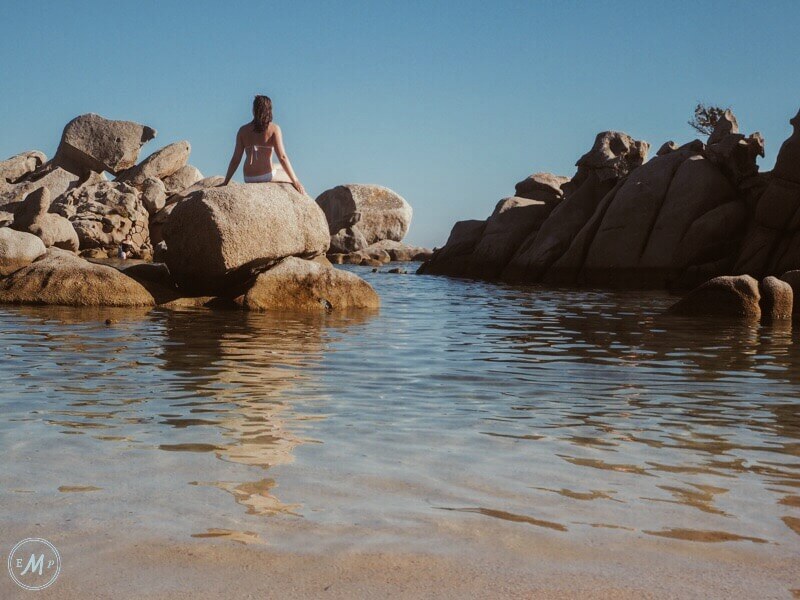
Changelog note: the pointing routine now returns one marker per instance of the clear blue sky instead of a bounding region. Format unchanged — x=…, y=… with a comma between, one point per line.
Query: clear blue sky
x=448, y=103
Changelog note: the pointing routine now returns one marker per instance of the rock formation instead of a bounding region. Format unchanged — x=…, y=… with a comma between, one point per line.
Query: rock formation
x=297, y=284
x=105, y=215
x=725, y=296
x=54, y=230
x=218, y=236
x=691, y=213
x=62, y=278
x=18, y=249
x=237, y=242
x=92, y=143
x=360, y=216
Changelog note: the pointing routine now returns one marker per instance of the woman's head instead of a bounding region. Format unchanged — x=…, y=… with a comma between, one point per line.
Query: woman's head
x=262, y=112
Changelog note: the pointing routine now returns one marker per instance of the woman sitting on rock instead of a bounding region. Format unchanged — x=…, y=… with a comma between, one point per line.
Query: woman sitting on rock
x=258, y=139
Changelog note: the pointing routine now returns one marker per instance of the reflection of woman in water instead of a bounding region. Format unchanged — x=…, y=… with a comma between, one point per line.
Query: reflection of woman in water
x=258, y=139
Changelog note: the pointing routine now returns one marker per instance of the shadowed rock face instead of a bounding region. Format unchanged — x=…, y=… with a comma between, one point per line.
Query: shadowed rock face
x=772, y=243
x=92, y=143
x=675, y=221
x=218, y=236
x=726, y=296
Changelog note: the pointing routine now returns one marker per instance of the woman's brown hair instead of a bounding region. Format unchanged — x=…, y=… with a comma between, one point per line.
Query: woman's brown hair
x=262, y=113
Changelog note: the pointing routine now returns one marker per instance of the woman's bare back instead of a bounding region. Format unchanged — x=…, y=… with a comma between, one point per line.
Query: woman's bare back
x=258, y=147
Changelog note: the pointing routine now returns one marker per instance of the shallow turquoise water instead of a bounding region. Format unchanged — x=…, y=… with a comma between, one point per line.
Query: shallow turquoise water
x=557, y=410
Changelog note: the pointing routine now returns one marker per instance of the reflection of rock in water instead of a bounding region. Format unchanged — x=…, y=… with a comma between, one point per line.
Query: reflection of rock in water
x=242, y=367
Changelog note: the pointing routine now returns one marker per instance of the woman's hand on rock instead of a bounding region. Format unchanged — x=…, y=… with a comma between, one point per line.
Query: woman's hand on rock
x=299, y=187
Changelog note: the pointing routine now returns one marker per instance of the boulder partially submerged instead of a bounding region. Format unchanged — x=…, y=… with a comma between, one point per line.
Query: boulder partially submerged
x=219, y=236
x=302, y=285
x=725, y=296
x=62, y=278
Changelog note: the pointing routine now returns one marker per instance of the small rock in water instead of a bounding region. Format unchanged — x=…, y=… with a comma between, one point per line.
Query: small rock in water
x=111, y=321
x=398, y=271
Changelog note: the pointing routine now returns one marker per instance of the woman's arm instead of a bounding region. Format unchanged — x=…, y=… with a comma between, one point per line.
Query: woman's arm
x=287, y=166
x=235, y=159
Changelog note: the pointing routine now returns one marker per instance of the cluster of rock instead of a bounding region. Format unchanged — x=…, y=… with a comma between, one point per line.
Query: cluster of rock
x=691, y=213
x=367, y=225
x=254, y=246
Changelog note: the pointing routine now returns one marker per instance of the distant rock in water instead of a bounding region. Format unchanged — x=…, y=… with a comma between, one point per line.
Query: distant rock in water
x=691, y=213
x=725, y=296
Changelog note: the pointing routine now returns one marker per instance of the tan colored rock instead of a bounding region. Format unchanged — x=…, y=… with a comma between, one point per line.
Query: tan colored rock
x=18, y=249
x=220, y=234
x=348, y=240
x=399, y=251
x=55, y=179
x=61, y=278
x=54, y=230
x=15, y=168
x=793, y=279
x=92, y=143
x=208, y=182
x=181, y=179
x=157, y=222
x=301, y=285
x=777, y=299
x=160, y=164
x=544, y=187
x=154, y=195
x=725, y=296
x=105, y=215
x=385, y=215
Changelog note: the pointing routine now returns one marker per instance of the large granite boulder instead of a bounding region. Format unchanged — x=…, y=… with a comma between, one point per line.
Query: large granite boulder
x=181, y=179
x=613, y=155
x=385, y=215
x=93, y=143
x=207, y=182
x=724, y=296
x=154, y=195
x=449, y=259
x=349, y=239
x=295, y=284
x=65, y=279
x=15, y=168
x=105, y=215
x=18, y=249
x=54, y=230
x=218, y=236
x=160, y=164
